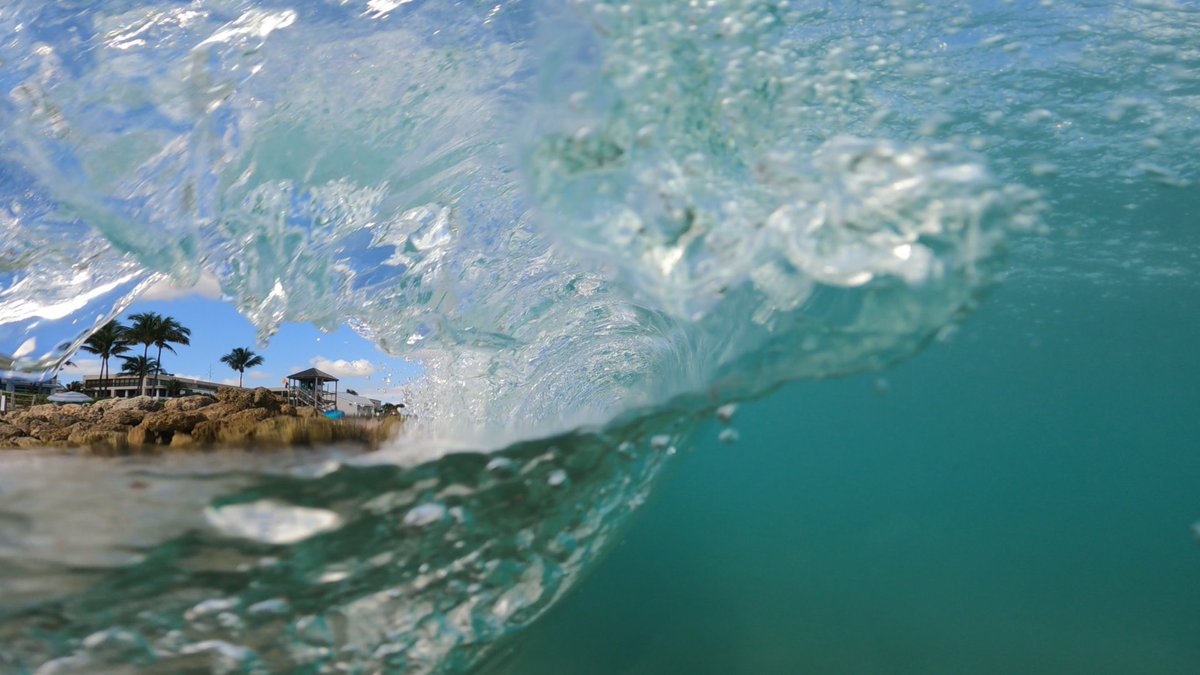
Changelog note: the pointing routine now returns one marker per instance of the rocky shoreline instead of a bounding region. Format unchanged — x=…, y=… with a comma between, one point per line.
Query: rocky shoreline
x=233, y=418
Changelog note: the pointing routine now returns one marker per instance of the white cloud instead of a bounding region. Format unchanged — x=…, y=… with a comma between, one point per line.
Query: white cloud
x=230, y=381
x=344, y=368
x=206, y=287
x=82, y=367
x=258, y=375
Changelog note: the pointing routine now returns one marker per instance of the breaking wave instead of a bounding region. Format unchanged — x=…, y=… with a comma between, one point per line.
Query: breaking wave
x=591, y=222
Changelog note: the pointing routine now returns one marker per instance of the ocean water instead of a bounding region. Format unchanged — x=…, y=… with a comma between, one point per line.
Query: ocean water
x=758, y=336
x=1018, y=499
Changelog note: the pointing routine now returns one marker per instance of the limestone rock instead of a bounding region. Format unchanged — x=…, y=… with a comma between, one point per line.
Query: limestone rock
x=235, y=417
x=49, y=433
x=264, y=398
x=140, y=436
x=136, y=403
x=182, y=440
x=125, y=417
x=171, y=421
x=98, y=439
x=8, y=431
x=235, y=399
x=206, y=432
x=189, y=403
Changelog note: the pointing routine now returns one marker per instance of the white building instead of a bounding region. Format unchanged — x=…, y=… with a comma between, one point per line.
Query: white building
x=128, y=387
x=358, y=406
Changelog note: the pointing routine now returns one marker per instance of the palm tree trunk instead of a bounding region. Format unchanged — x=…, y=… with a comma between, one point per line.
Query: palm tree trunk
x=157, y=371
x=240, y=373
x=145, y=353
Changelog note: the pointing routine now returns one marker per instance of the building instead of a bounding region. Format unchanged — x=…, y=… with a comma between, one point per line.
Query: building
x=358, y=406
x=17, y=392
x=161, y=386
x=310, y=389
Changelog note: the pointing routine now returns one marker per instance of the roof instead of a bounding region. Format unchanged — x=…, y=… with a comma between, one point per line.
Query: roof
x=354, y=399
x=313, y=374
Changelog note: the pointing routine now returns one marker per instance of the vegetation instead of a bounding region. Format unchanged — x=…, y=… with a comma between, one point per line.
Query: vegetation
x=139, y=366
x=240, y=359
x=106, y=343
x=174, y=388
x=152, y=328
x=143, y=330
x=169, y=330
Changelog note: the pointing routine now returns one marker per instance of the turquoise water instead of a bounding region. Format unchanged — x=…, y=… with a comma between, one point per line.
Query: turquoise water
x=1020, y=499
x=944, y=255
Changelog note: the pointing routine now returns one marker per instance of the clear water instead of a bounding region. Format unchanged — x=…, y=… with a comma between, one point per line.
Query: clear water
x=1019, y=500
x=596, y=225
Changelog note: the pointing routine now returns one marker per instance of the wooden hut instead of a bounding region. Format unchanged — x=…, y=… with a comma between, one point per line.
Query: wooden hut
x=310, y=389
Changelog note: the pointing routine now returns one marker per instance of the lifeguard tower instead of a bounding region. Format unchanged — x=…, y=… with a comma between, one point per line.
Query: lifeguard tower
x=310, y=389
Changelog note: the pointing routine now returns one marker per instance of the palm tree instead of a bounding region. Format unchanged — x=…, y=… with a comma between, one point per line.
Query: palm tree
x=169, y=330
x=240, y=359
x=144, y=329
x=107, y=342
x=138, y=366
x=174, y=388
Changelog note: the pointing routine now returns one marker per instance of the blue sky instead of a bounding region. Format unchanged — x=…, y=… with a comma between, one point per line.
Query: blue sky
x=217, y=328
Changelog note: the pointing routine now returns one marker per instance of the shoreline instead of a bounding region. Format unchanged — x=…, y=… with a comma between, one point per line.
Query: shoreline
x=234, y=418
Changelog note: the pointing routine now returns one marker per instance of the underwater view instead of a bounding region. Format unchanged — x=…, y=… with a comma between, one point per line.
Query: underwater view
x=755, y=336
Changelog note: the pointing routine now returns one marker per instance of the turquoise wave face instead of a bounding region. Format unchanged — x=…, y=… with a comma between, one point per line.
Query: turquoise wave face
x=590, y=222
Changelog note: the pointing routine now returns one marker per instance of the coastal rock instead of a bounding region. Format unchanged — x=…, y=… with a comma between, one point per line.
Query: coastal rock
x=171, y=421
x=109, y=425
x=182, y=440
x=266, y=399
x=189, y=403
x=8, y=431
x=144, y=403
x=98, y=438
x=235, y=399
x=80, y=412
x=234, y=418
x=125, y=417
x=50, y=433
x=140, y=436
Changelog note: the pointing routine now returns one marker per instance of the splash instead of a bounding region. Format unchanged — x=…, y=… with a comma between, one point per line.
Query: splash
x=585, y=219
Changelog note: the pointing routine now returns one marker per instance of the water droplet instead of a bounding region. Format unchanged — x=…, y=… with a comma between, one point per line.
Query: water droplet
x=660, y=441
x=557, y=477
x=729, y=436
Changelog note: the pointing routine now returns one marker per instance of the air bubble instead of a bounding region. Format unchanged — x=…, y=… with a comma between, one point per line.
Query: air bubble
x=729, y=436
x=725, y=412
x=425, y=514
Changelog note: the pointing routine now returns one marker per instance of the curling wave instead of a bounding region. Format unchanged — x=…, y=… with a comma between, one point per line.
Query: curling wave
x=589, y=221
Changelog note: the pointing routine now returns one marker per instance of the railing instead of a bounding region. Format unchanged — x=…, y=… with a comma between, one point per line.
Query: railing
x=16, y=400
x=308, y=398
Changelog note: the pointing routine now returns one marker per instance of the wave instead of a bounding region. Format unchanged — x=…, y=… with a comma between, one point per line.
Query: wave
x=585, y=219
